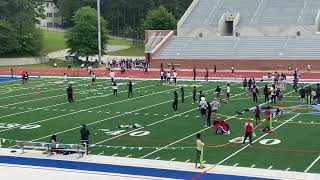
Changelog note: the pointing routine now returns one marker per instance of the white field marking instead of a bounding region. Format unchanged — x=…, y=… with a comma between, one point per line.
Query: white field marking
x=146, y=114
x=186, y=116
x=136, y=113
x=157, y=158
x=129, y=155
x=300, y=122
x=101, y=153
x=197, y=116
x=235, y=153
x=54, y=105
x=172, y=159
x=112, y=118
x=115, y=154
x=253, y=165
x=83, y=110
x=151, y=124
x=312, y=164
x=18, y=95
x=108, y=112
x=155, y=114
x=32, y=82
x=236, y=164
x=312, y=122
x=50, y=97
x=204, y=161
x=188, y=160
x=288, y=169
x=178, y=141
x=270, y=167
x=166, y=115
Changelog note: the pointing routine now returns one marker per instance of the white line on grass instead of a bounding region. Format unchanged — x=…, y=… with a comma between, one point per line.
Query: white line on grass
x=253, y=165
x=129, y=155
x=288, y=169
x=157, y=158
x=312, y=164
x=236, y=164
x=84, y=110
x=270, y=167
x=151, y=124
x=235, y=153
x=54, y=105
x=188, y=160
x=172, y=159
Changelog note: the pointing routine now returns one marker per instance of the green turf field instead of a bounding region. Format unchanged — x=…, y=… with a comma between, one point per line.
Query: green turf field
x=40, y=109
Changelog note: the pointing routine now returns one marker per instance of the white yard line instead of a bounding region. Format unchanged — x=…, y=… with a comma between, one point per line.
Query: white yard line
x=312, y=164
x=54, y=105
x=235, y=153
x=151, y=124
x=95, y=107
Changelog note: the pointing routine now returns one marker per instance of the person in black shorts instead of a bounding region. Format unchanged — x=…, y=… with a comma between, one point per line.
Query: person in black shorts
x=70, y=93
x=194, y=94
x=175, y=101
x=302, y=92
x=85, y=133
x=130, y=87
x=182, y=94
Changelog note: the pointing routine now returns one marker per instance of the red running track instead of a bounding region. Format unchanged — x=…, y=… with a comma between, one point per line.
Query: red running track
x=154, y=73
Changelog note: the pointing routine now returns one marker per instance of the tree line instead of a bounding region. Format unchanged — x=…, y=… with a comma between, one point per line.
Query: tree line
x=125, y=17
x=19, y=34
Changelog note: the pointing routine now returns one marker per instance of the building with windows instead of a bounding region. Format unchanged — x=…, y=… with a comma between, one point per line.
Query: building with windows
x=53, y=18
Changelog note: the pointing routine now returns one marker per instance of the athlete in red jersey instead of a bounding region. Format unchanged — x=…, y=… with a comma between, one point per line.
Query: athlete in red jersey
x=248, y=126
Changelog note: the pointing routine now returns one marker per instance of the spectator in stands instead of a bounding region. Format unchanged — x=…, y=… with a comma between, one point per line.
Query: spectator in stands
x=309, y=67
x=85, y=133
x=214, y=69
x=232, y=69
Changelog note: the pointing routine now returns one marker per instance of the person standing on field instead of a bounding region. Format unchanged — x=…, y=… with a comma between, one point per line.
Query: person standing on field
x=130, y=88
x=182, y=94
x=248, y=127
x=175, y=101
x=70, y=93
x=199, y=147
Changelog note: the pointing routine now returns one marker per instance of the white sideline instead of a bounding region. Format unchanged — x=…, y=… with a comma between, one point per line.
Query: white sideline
x=159, y=164
x=312, y=164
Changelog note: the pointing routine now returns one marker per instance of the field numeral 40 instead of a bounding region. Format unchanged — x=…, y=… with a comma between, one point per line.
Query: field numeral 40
x=119, y=132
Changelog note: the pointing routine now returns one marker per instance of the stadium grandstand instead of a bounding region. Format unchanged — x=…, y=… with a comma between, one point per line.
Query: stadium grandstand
x=285, y=32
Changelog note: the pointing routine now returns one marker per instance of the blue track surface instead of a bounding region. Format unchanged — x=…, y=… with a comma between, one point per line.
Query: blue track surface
x=7, y=79
x=108, y=168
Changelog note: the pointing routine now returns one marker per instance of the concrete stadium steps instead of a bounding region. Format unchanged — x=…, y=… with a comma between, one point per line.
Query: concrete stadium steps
x=200, y=13
x=258, y=12
x=232, y=47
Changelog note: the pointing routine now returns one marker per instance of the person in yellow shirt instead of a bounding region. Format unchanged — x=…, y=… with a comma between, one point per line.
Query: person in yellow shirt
x=199, y=145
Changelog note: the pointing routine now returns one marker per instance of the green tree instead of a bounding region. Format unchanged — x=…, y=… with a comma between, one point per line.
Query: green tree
x=8, y=38
x=82, y=38
x=19, y=19
x=159, y=19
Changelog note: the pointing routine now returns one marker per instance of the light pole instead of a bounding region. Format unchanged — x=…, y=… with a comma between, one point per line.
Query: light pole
x=99, y=31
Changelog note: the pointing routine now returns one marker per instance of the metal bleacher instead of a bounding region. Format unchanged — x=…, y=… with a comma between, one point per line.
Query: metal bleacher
x=241, y=47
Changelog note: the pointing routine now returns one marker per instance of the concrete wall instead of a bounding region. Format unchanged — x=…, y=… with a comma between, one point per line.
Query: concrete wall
x=187, y=13
x=22, y=61
x=275, y=30
x=240, y=64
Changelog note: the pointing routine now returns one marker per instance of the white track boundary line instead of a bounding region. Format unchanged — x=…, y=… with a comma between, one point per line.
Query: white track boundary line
x=312, y=164
x=54, y=105
x=235, y=153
